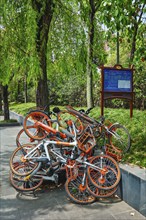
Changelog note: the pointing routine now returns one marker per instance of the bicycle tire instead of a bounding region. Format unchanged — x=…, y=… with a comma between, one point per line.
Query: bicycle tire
x=22, y=185
x=78, y=193
x=22, y=138
x=17, y=158
x=100, y=193
x=83, y=116
x=64, y=115
x=31, y=118
x=108, y=177
x=121, y=138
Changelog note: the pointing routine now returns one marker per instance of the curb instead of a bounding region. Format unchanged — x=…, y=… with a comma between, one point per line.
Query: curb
x=16, y=116
x=133, y=187
x=9, y=124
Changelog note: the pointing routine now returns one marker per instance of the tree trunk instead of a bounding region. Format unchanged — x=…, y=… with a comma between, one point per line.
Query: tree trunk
x=44, y=11
x=25, y=89
x=18, y=98
x=133, y=47
x=1, y=98
x=136, y=26
x=89, y=82
x=118, y=48
x=5, y=101
x=90, y=55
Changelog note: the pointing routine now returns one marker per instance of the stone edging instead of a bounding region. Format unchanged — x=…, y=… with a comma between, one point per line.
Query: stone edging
x=18, y=117
x=8, y=124
x=133, y=187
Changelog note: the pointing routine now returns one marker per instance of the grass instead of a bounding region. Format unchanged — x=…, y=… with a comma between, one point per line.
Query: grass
x=8, y=121
x=136, y=126
x=1, y=113
x=22, y=108
x=137, y=129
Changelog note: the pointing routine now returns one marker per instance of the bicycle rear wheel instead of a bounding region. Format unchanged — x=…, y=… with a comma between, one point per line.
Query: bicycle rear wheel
x=77, y=192
x=62, y=116
x=17, y=159
x=99, y=193
x=22, y=185
x=22, y=138
x=105, y=172
x=119, y=137
x=34, y=131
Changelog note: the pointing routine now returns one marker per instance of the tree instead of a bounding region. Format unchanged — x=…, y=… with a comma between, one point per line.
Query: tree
x=136, y=15
x=14, y=48
x=59, y=59
x=44, y=13
x=89, y=18
x=1, y=98
x=5, y=102
x=127, y=17
x=19, y=54
x=92, y=11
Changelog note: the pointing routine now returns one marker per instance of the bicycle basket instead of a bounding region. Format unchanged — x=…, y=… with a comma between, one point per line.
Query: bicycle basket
x=86, y=141
x=114, y=152
x=71, y=169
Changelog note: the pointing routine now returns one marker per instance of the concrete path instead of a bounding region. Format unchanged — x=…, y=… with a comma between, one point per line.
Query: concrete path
x=50, y=204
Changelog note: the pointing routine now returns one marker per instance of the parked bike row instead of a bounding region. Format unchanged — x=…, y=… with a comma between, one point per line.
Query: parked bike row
x=69, y=141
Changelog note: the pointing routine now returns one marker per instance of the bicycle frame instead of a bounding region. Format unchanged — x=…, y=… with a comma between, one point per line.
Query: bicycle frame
x=93, y=121
x=30, y=157
x=89, y=164
x=45, y=143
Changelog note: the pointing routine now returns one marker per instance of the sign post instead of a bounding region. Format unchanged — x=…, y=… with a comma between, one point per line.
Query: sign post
x=116, y=82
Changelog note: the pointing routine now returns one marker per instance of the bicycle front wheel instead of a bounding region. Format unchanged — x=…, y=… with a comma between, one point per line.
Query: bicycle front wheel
x=119, y=137
x=34, y=131
x=104, y=172
x=100, y=193
x=77, y=192
x=17, y=159
x=22, y=138
x=22, y=185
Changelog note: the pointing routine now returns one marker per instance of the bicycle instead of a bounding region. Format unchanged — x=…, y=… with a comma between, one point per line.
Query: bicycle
x=55, y=138
x=115, y=136
x=36, y=161
x=77, y=185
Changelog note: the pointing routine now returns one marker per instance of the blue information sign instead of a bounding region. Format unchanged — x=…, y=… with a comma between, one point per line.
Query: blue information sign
x=117, y=80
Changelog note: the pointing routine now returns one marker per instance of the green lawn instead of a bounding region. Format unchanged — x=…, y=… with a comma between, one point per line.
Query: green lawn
x=135, y=125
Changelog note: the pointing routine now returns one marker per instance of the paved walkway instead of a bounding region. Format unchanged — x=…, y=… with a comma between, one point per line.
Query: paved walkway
x=50, y=204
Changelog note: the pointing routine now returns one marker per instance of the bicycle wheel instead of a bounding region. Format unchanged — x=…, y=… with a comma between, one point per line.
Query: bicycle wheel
x=77, y=192
x=99, y=193
x=34, y=131
x=105, y=172
x=22, y=138
x=22, y=185
x=17, y=158
x=62, y=116
x=119, y=137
